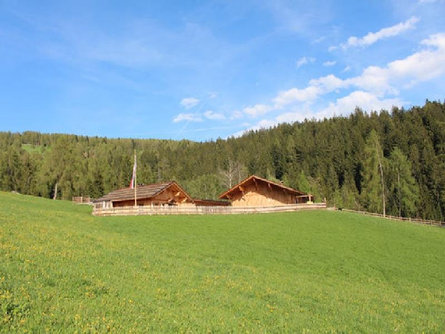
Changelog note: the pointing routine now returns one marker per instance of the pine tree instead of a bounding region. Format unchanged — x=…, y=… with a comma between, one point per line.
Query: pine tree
x=374, y=192
x=403, y=185
x=303, y=183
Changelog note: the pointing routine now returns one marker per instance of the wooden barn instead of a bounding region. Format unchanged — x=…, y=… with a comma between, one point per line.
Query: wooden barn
x=259, y=192
x=167, y=193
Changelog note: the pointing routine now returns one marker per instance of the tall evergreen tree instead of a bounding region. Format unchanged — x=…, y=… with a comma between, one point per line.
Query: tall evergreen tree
x=403, y=185
x=374, y=192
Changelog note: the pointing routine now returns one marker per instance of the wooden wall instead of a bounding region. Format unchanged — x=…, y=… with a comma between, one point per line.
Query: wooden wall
x=261, y=194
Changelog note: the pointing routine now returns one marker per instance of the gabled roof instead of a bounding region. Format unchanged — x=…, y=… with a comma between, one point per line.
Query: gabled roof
x=142, y=192
x=254, y=178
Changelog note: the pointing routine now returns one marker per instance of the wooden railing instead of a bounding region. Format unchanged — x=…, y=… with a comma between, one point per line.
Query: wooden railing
x=201, y=210
x=412, y=220
x=82, y=200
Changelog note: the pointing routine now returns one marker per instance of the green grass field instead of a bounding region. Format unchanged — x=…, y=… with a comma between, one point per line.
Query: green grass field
x=63, y=270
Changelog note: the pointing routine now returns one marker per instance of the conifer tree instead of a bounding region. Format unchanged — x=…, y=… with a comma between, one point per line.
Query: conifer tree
x=403, y=185
x=374, y=192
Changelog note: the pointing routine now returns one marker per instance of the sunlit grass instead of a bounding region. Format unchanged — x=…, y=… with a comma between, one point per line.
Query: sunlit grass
x=63, y=270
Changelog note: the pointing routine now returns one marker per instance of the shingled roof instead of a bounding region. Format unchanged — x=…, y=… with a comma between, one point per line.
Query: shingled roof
x=255, y=178
x=146, y=191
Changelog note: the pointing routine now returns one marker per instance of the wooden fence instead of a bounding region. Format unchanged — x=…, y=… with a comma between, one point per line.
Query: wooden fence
x=413, y=220
x=82, y=200
x=201, y=210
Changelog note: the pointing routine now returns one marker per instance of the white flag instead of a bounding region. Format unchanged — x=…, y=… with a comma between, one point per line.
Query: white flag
x=133, y=177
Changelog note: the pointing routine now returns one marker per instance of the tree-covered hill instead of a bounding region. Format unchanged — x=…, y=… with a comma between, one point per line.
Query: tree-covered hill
x=393, y=161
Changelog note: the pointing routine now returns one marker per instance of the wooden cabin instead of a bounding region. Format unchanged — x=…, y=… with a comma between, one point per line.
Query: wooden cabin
x=167, y=193
x=256, y=191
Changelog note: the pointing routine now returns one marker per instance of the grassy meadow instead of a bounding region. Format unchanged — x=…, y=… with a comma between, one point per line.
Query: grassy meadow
x=63, y=270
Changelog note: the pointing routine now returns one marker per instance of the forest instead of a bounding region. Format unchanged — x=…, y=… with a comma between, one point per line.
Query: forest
x=388, y=161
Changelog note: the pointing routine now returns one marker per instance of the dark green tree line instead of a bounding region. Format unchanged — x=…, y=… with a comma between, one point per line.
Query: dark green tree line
x=392, y=161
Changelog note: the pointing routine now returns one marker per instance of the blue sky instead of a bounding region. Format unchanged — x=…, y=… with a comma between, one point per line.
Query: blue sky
x=206, y=69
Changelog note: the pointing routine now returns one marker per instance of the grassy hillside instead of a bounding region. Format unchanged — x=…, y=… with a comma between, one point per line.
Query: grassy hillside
x=63, y=270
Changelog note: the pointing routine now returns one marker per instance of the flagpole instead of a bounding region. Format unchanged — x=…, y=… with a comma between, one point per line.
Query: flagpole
x=135, y=180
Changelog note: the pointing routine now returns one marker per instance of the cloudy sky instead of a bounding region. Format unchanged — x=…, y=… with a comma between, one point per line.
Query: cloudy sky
x=207, y=69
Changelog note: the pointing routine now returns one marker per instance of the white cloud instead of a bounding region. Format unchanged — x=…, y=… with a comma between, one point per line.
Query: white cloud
x=319, y=40
x=328, y=83
x=347, y=69
x=189, y=102
x=236, y=115
x=257, y=110
x=187, y=117
x=292, y=95
x=420, y=66
x=304, y=60
x=329, y=63
x=373, y=37
x=375, y=79
x=210, y=114
x=316, y=88
x=364, y=100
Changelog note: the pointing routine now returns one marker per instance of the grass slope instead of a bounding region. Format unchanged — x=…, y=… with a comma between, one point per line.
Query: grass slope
x=62, y=269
